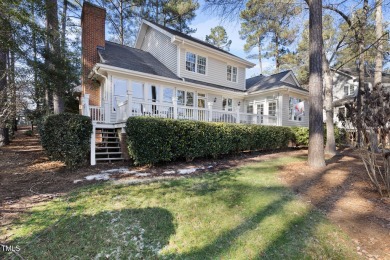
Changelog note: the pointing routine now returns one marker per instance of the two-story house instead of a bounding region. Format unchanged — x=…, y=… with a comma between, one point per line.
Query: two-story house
x=169, y=74
x=345, y=86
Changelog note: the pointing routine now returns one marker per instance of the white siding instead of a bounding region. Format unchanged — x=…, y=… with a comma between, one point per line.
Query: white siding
x=215, y=70
x=284, y=107
x=290, y=80
x=339, y=81
x=160, y=46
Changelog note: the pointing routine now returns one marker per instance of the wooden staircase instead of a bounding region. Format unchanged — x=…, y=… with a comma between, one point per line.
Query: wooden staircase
x=108, y=147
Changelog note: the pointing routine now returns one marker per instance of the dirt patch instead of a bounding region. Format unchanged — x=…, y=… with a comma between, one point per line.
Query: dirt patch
x=342, y=191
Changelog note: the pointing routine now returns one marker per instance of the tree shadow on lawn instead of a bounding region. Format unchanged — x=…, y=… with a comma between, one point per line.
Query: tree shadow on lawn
x=127, y=233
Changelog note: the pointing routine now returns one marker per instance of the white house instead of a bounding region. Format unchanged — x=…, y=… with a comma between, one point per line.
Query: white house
x=345, y=86
x=169, y=74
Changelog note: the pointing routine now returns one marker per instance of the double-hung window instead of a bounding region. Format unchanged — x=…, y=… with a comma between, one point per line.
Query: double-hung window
x=196, y=63
x=185, y=98
x=349, y=90
x=227, y=104
x=231, y=73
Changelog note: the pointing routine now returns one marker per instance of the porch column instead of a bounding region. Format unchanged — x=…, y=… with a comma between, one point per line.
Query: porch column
x=174, y=102
x=117, y=114
x=238, y=114
x=93, y=144
x=129, y=100
x=210, y=107
x=107, y=112
x=87, y=111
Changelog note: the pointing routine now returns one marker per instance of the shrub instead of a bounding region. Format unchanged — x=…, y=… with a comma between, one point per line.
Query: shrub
x=153, y=140
x=29, y=133
x=66, y=137
x=301, y=135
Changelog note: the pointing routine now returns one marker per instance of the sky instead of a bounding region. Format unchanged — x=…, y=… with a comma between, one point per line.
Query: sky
x=203, y=22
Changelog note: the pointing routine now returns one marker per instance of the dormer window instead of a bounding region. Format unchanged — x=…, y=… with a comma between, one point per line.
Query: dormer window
x=349, y=90
x=231, y=73
x=196, y=63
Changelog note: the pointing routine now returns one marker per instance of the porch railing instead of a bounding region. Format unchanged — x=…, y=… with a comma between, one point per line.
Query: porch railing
x=126, y=109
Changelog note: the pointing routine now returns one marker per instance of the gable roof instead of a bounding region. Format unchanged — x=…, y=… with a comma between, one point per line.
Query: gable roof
x=188, y=37
x=262, y=82
x=369, y=74
x=133, y=59
x=174, y=33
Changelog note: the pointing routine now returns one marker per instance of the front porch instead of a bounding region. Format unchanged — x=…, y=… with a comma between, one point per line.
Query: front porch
x=133, y=107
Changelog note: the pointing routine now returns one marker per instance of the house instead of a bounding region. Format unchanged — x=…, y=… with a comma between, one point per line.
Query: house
x=345, y=86
x=172, y=75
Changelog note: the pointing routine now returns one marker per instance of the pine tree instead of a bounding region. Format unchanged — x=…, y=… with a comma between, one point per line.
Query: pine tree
x=218, y=37
x=269, y=20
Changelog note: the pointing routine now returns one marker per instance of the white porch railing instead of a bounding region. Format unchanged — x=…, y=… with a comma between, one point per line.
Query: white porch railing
x=126, y=109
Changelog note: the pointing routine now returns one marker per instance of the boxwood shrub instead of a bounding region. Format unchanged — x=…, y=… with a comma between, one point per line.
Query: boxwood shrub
x=153, y=140
x=301, y=135
x=66, y=138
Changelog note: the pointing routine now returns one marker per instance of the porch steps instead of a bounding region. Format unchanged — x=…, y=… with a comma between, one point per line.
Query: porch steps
x=108, y=147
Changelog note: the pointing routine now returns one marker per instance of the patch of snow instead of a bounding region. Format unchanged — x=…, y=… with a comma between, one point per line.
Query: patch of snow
x=98, y=177
x=142, y=174
x=210, y=166
x=77, y=181
x=169, y=172
x=187, y=171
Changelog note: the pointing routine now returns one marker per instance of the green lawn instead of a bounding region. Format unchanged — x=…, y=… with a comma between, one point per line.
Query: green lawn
x=242, y=213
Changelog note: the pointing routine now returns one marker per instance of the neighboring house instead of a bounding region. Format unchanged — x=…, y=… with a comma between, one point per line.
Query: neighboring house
x=171, y=75
x=345, y=85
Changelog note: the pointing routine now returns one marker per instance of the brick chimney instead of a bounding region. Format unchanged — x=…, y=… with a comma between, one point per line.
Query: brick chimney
x=92, y=35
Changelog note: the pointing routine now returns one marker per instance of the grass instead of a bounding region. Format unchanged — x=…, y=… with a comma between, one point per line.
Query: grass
x=242, y=213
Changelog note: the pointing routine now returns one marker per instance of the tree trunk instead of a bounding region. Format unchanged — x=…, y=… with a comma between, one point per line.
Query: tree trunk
x=379, y=52
x=63, y=26
x=260, y=62
x=4, y=138
x=361, y=70
x=316, y=131
x=277, y=63
x=54, y=51
x=330, y=146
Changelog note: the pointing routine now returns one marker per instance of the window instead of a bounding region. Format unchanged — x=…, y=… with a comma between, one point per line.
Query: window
x=260, y=112
x=249, y=109
x=190, y=61
x=201, y=65
x=296, y=109
x=153, y=94
x=272, y=109
x=349, y=90
x=231, y=73
x=201, y=100
x=185, y=98
x=167, y=95
x=342, y=111
x=120, y=91
x=227, y=104
x=138, y=90
x=195, y=63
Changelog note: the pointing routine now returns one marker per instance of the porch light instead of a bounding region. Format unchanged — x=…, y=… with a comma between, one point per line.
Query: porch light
x=215, y=99
x=239, y=103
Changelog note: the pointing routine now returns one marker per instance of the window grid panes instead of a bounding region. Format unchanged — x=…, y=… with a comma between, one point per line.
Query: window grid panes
x=190, y=99
x=167, y=95
x=201, y=100
x=272, y=109
x=234, y=74
x=227, y=104
x=229, y=73
x=190, y=61
x=201, y=65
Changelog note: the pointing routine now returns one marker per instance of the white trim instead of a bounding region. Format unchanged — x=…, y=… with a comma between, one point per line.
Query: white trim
x=293, y=76
x=232, y=66
x=177, y=39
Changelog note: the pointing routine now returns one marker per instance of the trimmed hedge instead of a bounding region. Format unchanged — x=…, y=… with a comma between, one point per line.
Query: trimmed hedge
x=301, y=135
x=153, y=140
x=66, y=137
